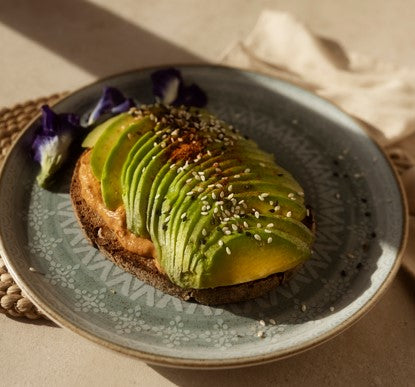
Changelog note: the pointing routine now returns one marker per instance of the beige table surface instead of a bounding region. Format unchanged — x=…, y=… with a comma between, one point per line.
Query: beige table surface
x=50, y=46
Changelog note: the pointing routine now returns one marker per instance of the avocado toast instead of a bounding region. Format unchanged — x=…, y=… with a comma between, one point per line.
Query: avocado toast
x=184, y=202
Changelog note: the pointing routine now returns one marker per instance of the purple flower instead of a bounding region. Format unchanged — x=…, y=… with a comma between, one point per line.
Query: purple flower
x=112, y=101
x=169, y=88
x=52, y=141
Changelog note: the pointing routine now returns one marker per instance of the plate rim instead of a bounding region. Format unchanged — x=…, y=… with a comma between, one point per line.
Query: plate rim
x=175, y=362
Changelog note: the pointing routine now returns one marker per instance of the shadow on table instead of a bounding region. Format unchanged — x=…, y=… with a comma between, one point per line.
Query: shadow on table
x=40, y=321
x=89, y=36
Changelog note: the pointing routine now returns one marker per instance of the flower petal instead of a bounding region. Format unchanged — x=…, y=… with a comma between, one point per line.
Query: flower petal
x=191, y=95
x=111, y=101
x=166, y=85
x=52, y=140
x=169, y=89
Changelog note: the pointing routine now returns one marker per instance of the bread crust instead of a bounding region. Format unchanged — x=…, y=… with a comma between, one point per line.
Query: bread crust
x=102, y=237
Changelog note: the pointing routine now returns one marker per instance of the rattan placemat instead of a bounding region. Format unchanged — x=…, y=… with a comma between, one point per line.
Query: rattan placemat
x=12, y=121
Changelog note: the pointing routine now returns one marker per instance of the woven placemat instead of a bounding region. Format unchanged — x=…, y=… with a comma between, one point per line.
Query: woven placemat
x=12, y=121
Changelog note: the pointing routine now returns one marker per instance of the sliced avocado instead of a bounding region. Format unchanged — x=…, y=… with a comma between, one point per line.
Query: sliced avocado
x=184, y=200
x=222, y=269
x=111, y=174
x=106, y=141
x=139, y=162
x=157, y=216
x=96, y=133
x=141, y=185
x=128, y=169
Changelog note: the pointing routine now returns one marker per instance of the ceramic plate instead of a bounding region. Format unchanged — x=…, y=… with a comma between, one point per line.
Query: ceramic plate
x=359, y=211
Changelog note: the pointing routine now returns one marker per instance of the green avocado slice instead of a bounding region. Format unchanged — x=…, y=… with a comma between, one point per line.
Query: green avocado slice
x=93, y=136
x=136, y=221
x=185, y=201
x=232, y=263
x=106, y=141
x=111, y=174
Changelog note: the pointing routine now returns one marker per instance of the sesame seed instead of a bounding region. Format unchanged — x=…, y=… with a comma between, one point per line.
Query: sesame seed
x=247, y=170
x=261, y=334
x=204, y=232
x=183, y=215
x=234, y=227
x=222, y=194
x=203, y=178
x=230, y=188
x=300, y=193
x=237, y=176
x=262, y=322
x=241, y=201
x=213, y=196
x=262, y=164
x=228, y=251
x=271, y=202
x=167, y=218
x=189, y=180
x=289, y=214
x=272, y=321
x=331, y=308
x=228, y=232
x=220, y=242
x=230, y=196
x=257, y=214
x=215, y=210
x=270, y=225
x=269, y=240
x=157, y=196
x=303, y=307
x=258, y=225
x=290, y=195
x=261, y=198
x=257, y=237
x=172, y=166
x=265, y=194
x=204, y=213
x=246, y=224
x=277, y=208
x=188, y=194
x=268, y=231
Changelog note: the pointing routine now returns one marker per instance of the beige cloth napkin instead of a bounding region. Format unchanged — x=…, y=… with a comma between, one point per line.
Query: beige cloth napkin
x=381, y=95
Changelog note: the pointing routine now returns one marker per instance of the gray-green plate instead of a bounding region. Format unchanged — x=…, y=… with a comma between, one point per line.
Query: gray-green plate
x=357, y=201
